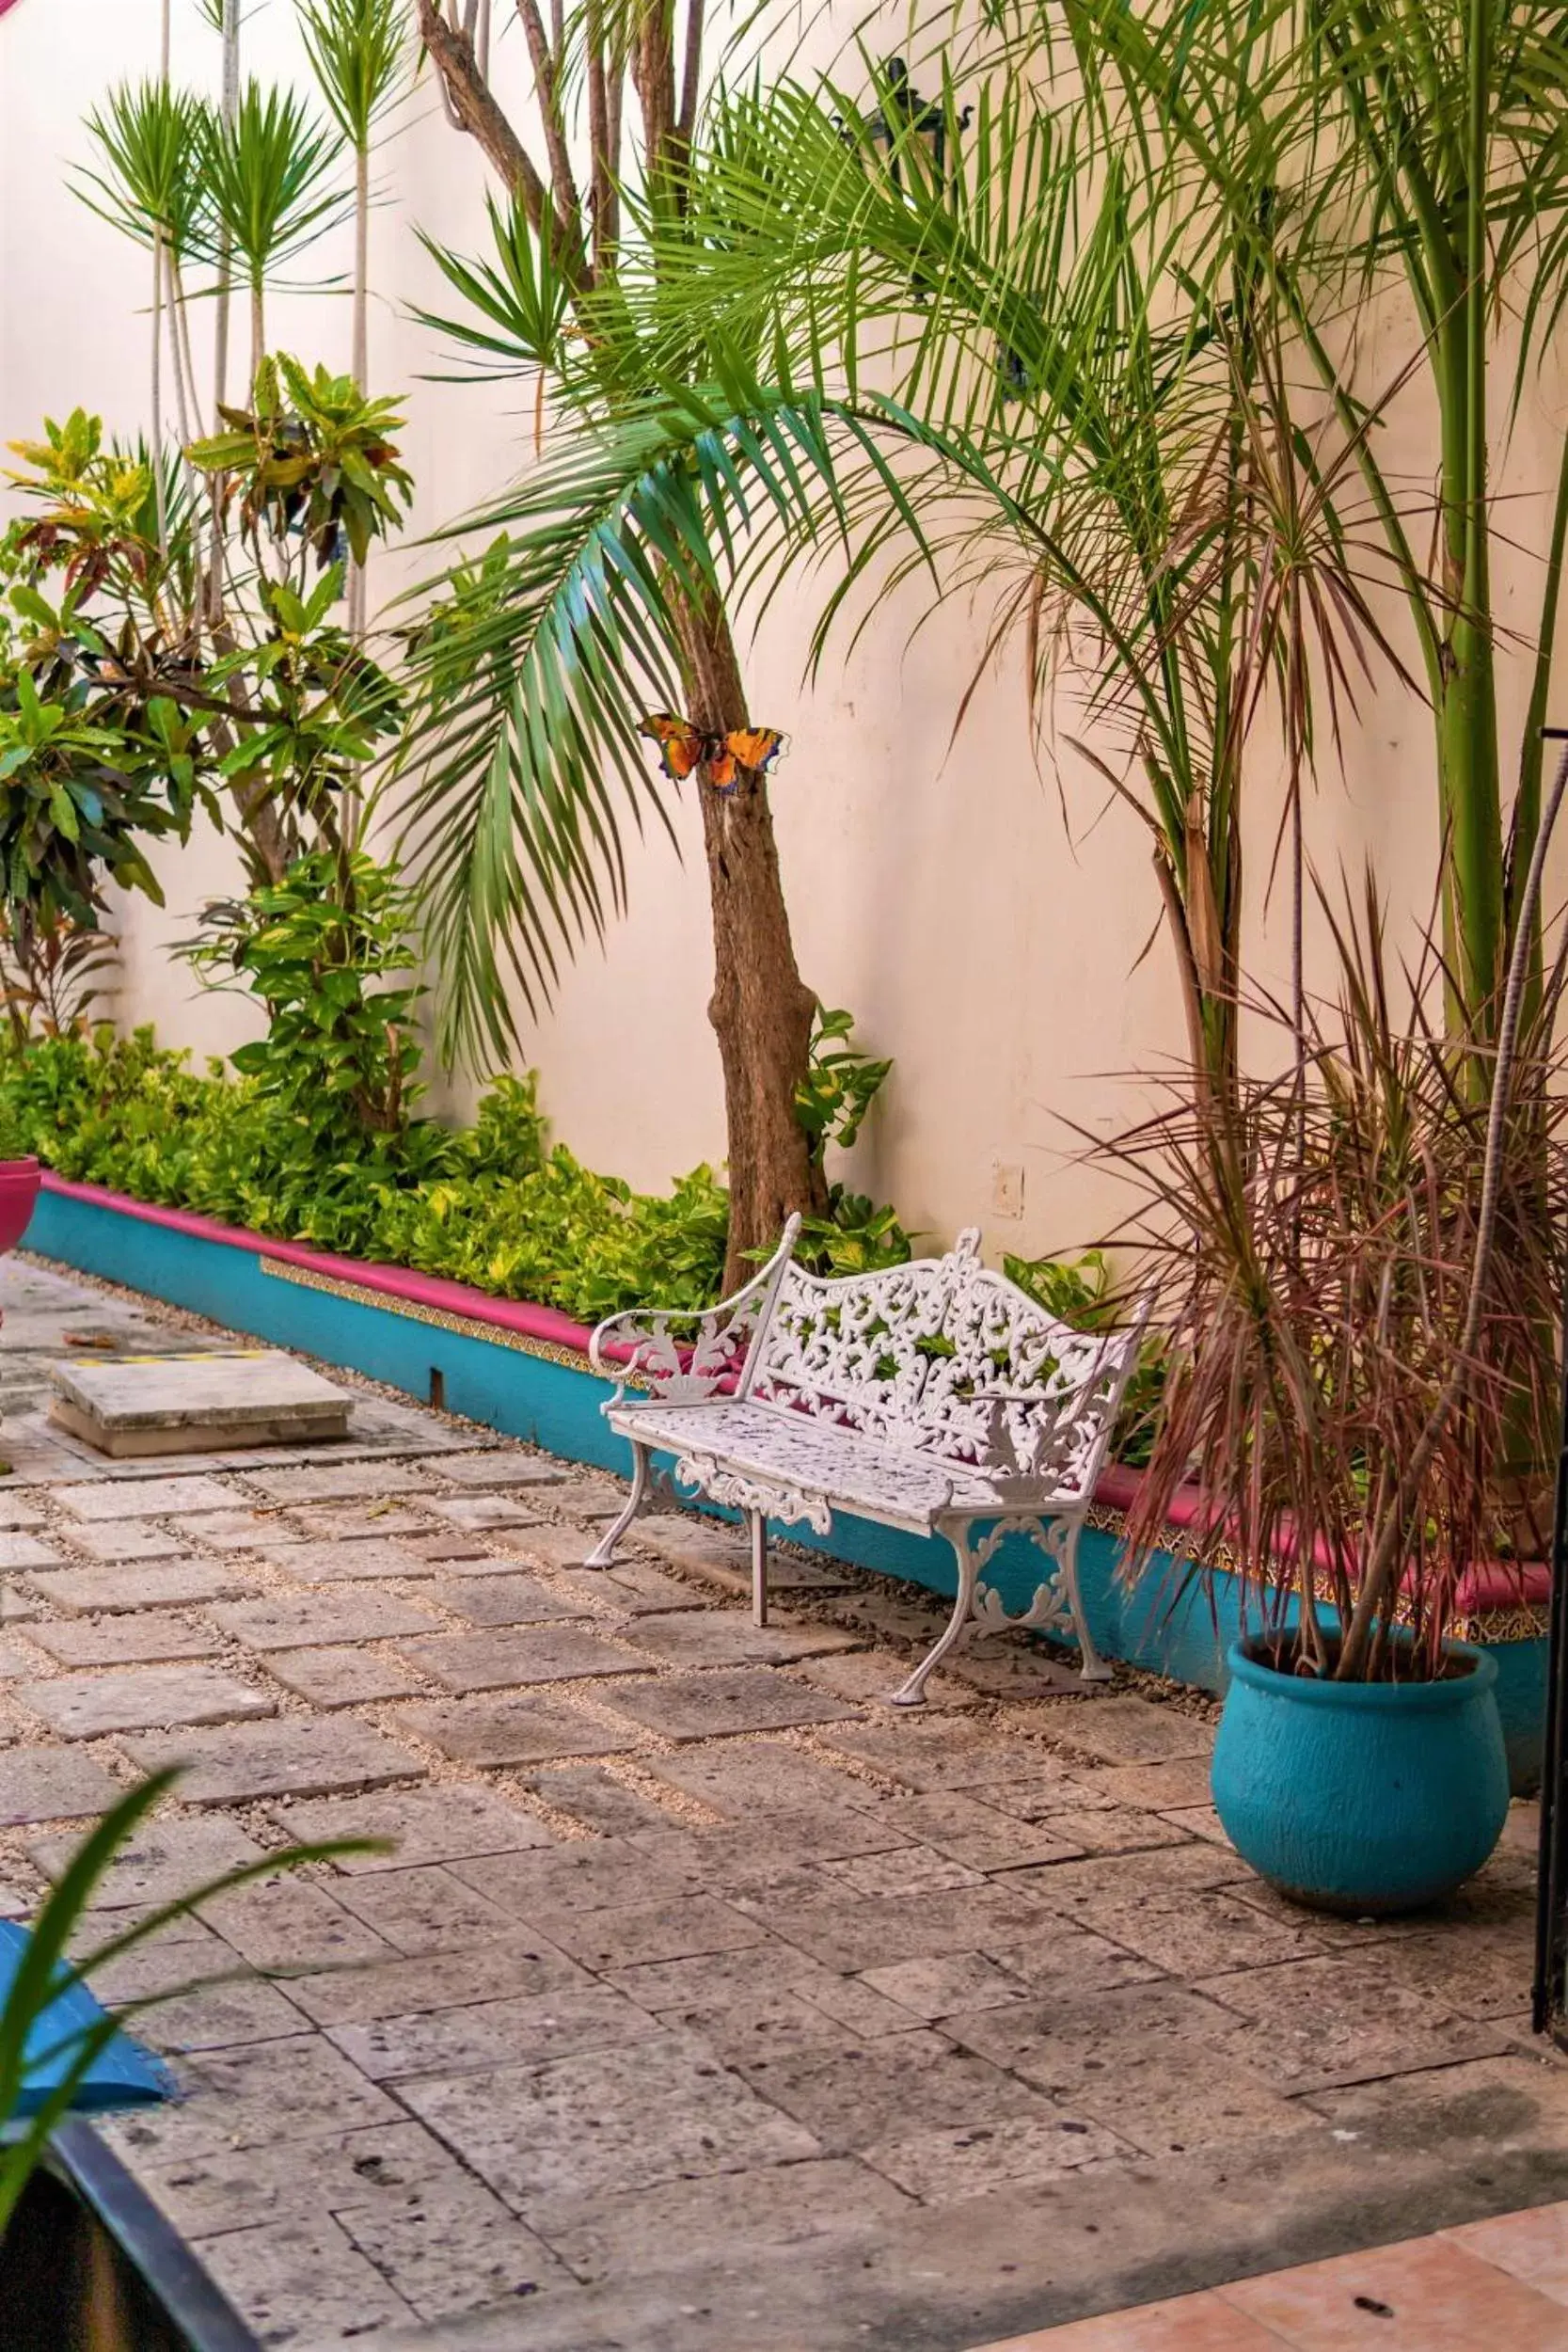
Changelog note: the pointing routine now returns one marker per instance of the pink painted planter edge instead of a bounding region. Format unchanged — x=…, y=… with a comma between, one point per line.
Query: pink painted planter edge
x=1491, y=1584
x=420, y=1289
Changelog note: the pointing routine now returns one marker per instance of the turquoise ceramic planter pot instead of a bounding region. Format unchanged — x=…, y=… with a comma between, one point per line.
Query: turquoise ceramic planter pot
x=1363, y=1797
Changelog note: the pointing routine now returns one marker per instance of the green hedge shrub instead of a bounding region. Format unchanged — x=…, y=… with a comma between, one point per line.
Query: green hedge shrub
x=488, y=1204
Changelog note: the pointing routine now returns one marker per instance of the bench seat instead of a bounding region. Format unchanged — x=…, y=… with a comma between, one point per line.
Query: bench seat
x=821, y=1461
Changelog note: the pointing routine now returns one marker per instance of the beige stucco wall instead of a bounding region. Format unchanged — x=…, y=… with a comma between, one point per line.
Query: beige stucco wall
x=992, y=944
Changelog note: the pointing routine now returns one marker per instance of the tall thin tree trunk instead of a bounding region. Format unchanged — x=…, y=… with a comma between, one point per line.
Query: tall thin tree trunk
x=184, y=356
x=223, y=307
x=159, y=494
x=360, y=367
x=258, y=331
x=760, y=1009
x=229, y=102
x=177, y=359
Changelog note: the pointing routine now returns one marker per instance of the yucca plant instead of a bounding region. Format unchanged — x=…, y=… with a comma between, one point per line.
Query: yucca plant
x=148, y=185
x=359, y=50
x=1355, y=1261
x=269, y=179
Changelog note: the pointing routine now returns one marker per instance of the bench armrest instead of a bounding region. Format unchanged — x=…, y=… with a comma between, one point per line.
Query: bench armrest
x=686, y=1353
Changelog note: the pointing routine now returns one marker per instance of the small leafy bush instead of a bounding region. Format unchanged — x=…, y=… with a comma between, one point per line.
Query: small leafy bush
x=485, y=1204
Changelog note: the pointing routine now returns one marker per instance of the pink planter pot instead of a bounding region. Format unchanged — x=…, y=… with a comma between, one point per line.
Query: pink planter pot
x=19, y=1190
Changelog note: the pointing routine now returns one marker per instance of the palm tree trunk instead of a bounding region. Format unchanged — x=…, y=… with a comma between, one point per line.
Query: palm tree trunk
x=760, y=1009
x=258, y=331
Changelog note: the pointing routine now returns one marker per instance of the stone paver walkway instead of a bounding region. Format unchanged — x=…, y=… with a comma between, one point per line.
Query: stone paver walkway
x=705, y=2005
x=1463, y=2290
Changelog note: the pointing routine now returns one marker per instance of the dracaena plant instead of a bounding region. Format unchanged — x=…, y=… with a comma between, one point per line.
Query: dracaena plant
x=268, y=170
x=1355, y=1259
x=147, y=182
x=359, y=52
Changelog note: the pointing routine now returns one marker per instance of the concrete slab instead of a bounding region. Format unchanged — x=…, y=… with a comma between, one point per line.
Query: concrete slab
x=155, y=1585
x=436, y=1980
x=425, y=1908
x=726, y=1637
x=19, y=1550
x=502, y=1600
x=116, y=1542
x=342, y=1677
x=457, y=2039
x=53, y=1785
x=144, y=1637
x=169, y=1859
x=294, y=1757
x=312, y=1620
x=93, y=1707
x=131, y=1407
x=604, y=2120
x=433, y=1824
x=699, y=1706
x=367, y=1559
x=142, y=1497
x=509, y=1731
x=497, y=1659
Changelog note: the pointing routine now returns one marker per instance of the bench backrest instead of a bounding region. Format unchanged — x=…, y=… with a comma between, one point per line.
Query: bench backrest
x=907, y=1355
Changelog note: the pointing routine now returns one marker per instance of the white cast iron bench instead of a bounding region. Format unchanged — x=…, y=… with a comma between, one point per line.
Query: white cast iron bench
x=935, y=1397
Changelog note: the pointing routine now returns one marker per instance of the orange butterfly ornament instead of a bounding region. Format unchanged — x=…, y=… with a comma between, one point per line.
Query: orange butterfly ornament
x=685, y=750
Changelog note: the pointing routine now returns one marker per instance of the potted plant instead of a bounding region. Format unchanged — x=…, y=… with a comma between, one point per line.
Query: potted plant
x=1361, y=1270
x=85, y=2256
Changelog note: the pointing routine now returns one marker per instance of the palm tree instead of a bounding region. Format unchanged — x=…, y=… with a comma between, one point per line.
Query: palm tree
x=1422, y=148
x=1120, y=487
x=516, y=817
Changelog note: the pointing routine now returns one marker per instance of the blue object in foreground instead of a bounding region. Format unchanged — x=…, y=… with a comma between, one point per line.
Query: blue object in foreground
x=121, y=2076
x=1366, y=1797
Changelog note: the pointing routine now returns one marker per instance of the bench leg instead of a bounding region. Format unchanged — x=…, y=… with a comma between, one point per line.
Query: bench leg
x=1091, y=1666
x=603, y=1552
x=758, y=1526
x=912, y=1693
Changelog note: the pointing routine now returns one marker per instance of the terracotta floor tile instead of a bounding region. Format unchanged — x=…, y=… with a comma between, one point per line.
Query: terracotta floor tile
x=1531, y=2246
x=1428, y=2295
x=1193, y=2323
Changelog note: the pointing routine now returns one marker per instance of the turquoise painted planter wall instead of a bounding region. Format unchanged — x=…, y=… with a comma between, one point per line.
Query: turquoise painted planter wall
x=557, y=1406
